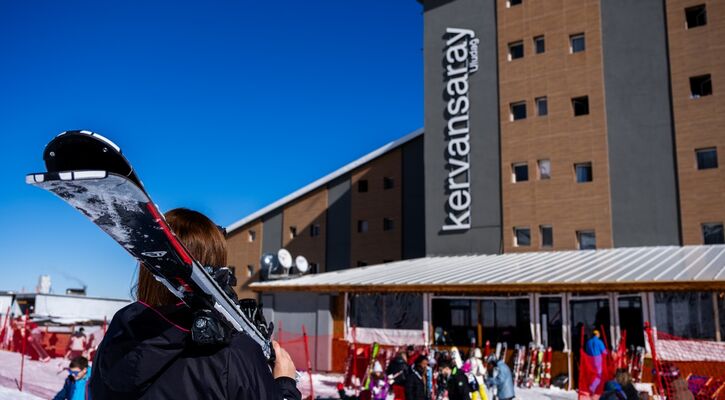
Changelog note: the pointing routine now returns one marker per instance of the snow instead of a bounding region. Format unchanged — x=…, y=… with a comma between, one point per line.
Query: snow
x=44, y=380
x=40, y=379
x=325, y=387
x=14, y=394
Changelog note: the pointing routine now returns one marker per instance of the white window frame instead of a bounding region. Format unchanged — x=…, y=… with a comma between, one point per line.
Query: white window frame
x=516, y=43
x=516, y=237
x=538, y=169
x=574, y=37
x=511, y=110
x=583, y=231
x=513, y=171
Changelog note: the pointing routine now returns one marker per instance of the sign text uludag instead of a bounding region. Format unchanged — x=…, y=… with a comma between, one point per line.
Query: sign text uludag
x=459, y=62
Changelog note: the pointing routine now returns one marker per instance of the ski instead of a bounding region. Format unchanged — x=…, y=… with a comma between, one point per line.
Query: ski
x=546, y=377
x=90, y=173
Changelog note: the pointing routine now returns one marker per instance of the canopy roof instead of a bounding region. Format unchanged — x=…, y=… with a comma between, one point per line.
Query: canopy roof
x=621, y=269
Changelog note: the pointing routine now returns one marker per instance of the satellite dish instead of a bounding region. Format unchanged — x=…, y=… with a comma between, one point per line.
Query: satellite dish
x=302, y=264
x=285, y=259
x=268, y=261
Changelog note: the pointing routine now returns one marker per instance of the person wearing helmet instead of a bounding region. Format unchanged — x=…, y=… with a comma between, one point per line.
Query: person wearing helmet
x=378, y=383
x=595, y=348
x=500, y=376
x=478, y=371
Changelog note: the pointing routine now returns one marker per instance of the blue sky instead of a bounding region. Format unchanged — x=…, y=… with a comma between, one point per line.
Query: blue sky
x=222, y=106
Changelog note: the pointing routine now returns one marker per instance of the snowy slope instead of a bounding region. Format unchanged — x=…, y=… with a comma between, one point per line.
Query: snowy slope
x=40, y=379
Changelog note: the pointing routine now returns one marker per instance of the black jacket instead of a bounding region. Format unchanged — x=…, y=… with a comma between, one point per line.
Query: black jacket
x=458, y=387
x=398, y=367
x=148, y=354
x=415, y=386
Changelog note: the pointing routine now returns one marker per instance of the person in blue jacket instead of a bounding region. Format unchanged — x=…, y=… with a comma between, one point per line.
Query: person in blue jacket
x=595, y=348
x=75, y=384
x=502, y=378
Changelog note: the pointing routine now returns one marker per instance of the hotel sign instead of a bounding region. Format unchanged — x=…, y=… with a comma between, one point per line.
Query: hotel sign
x=460, y=60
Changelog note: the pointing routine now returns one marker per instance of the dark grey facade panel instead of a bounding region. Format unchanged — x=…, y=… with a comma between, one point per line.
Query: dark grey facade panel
x=413, y=199
x=337, y=246
x=643, y=178
x=272, y=232
x=484, y=234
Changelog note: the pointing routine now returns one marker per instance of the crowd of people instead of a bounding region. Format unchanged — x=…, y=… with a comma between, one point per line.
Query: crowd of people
x=446, y=375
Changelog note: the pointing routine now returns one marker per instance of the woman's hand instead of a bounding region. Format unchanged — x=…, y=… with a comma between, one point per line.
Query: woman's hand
x=283, y=365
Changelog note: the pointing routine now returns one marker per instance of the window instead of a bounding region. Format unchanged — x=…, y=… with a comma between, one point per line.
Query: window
x=511, y=3
x=315, y=230
x=292, y=232
x=539, y=44
x=522, y=237
x=388, y=183
x=362, y=264
x=457, y=321
x=583, y=172
x=712, y=233
x=700, y=86
x=706, y=158
x=519, y=172
x=252, y=235
x=516, y=50
x=580, y=105
x=542, y=106
x=362, y=186
x=388, y=224
x=586, y=240
x=550, y=313
x=250, y=270
x=544, y=169
x=387, y=311
x=518, y=111
x=362, y=226
x=696, y=16
x=577, y=43
x=506, y=320
x=547, y=235
x=686, y=314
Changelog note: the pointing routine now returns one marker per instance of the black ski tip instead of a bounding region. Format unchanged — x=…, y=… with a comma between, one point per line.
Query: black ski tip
x=80, y=150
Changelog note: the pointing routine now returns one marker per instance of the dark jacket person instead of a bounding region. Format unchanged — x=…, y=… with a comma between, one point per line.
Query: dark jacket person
x=147, y=352
x=416, y=384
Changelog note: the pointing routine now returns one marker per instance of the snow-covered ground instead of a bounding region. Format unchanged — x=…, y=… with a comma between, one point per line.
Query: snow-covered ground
x=325, y=386
x=43, y=380
x=14, y=394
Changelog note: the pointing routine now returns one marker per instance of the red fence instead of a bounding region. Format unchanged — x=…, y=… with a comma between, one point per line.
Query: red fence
x=687, y=369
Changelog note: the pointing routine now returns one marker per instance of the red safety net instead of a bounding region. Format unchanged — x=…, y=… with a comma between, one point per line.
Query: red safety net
x=595, y=370
x=687, y=369
x=297, y=344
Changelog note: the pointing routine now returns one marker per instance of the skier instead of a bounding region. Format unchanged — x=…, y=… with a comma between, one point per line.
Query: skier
x=502, y=379
x=148, y=353
x=77, y=345
x=595, y=348
x=378, y=384
x=455, y=382
x=478, y=370
x=74, y=387
x=397, y=372
x=416, y=385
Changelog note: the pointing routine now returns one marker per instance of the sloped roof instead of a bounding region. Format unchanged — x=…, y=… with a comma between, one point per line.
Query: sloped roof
x=621, y=269
x=325, y=180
